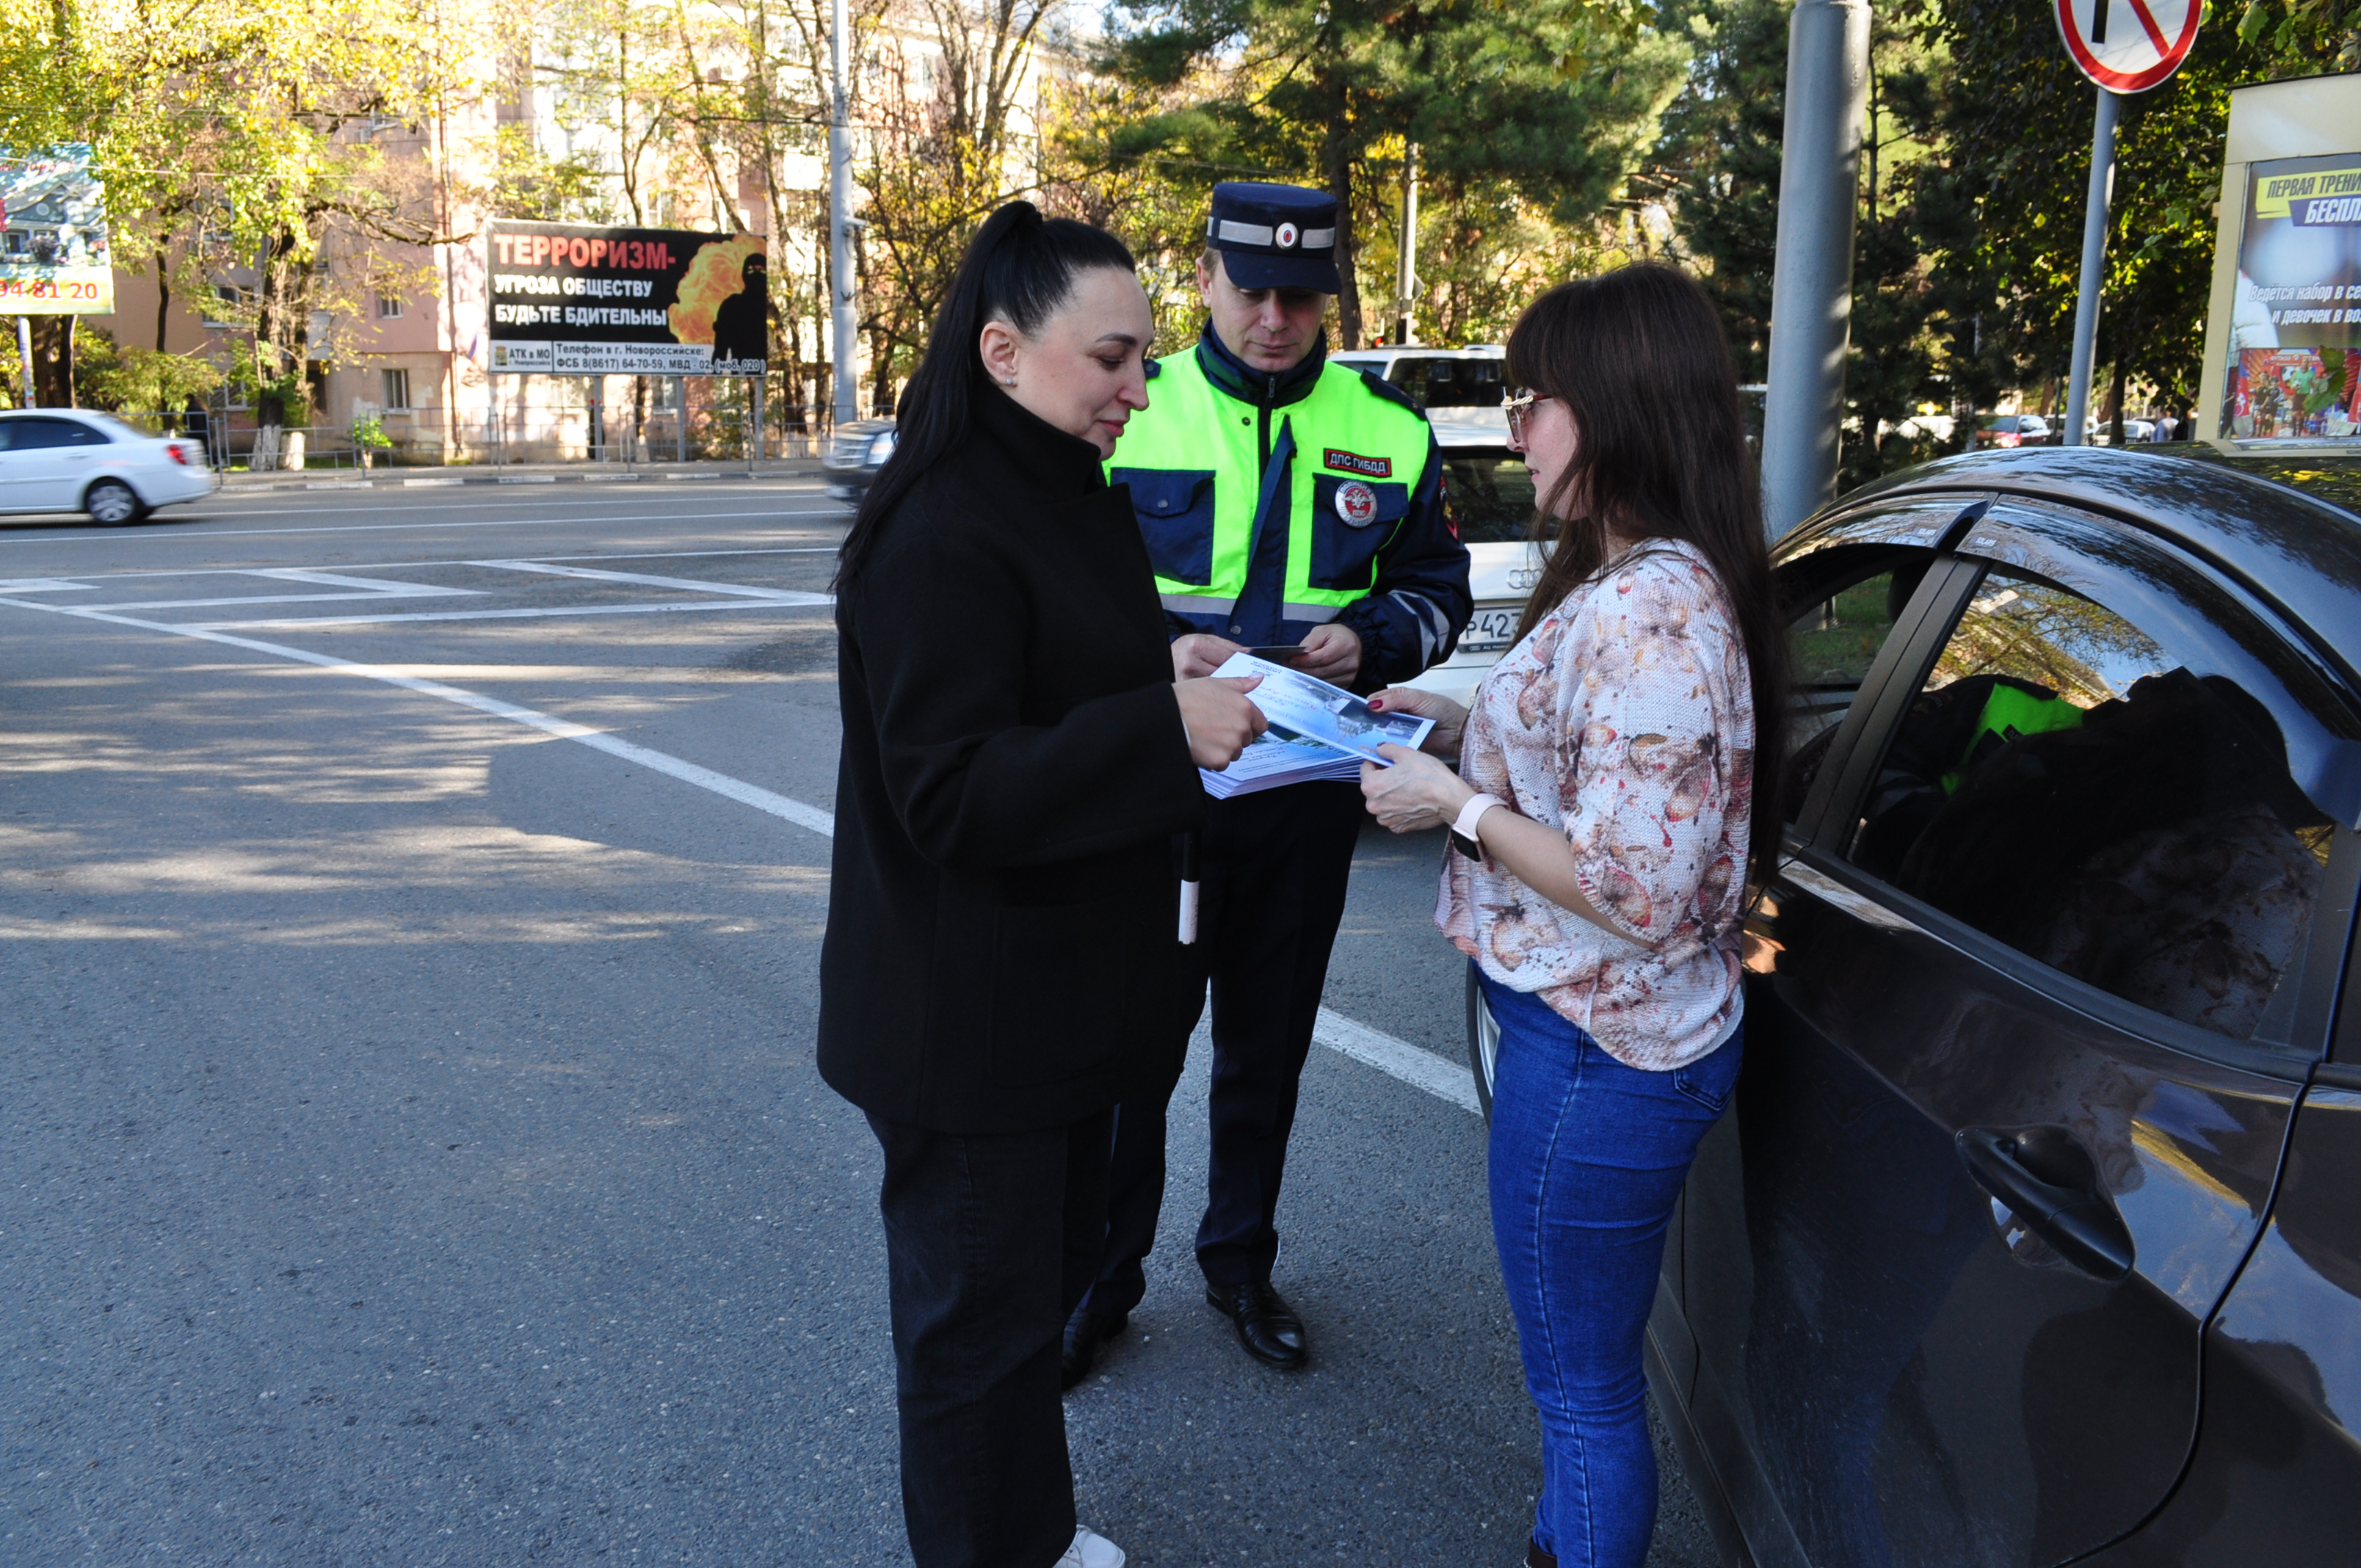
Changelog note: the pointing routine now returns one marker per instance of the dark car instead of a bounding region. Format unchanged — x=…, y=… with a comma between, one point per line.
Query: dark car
x=855, y=451
x=2032, y=1233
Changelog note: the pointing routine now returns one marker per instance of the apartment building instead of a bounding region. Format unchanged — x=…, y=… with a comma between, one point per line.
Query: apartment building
x=407, y=340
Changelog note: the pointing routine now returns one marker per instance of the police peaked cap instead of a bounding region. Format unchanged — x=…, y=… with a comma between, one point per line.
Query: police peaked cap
x=1275, y=236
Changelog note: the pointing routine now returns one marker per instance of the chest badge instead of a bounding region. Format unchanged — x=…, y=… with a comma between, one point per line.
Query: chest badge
x=1357, y=503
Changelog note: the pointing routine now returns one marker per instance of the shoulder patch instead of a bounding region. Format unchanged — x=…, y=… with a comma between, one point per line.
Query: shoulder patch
x=1388, y=390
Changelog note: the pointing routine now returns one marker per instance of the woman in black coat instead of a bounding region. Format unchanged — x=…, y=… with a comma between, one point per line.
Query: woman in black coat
x=1000, y=966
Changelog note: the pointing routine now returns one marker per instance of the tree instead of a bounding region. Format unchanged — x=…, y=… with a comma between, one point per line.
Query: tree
x=1554, y=104
x=2002, y=204
x=952, y=142
x=248, y=138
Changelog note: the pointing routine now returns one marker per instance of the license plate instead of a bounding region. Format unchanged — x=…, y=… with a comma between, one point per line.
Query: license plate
x=1492, y=629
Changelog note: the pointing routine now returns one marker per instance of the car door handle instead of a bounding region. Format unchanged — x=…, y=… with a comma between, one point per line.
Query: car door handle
x=2051, y=1184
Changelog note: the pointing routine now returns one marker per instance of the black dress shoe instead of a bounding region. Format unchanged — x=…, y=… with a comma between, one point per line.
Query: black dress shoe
x=1084, y=1330
x=1266, y=1325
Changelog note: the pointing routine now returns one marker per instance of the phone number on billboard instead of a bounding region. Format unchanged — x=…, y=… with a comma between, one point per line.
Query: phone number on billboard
x=47, y=289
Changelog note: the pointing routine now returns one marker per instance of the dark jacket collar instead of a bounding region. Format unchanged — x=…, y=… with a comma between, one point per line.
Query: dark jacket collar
x=1263, y=389
x=1040, y=457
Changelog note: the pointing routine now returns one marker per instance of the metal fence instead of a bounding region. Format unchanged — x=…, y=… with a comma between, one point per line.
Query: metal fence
x=427, y=438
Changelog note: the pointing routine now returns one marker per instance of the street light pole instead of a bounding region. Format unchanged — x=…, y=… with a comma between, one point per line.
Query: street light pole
x=1406, y=249
x=2095, y=263
x=845, y=328
x=25, y=360
x=1811, y=287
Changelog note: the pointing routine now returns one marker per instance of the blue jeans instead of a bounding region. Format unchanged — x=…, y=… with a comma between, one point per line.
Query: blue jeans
x=1588, y=1158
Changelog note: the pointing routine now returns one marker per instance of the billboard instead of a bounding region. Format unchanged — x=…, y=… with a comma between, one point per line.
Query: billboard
x=2283, y=335
x=571, y=300
x=54, y=260
x=2296, y=317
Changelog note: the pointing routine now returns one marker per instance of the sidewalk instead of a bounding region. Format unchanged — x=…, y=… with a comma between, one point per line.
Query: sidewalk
x=520, y=474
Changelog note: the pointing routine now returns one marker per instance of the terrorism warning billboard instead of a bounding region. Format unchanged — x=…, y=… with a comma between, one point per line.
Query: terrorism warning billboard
x=570, y=300
x=54, y=260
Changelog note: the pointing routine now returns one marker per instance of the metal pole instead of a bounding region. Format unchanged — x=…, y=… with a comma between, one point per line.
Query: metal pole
x=1406, y=269
x=1811, y=286
x=846, y=329
x=2095, y=263
x=25, y=360
x=755, y=444
x=680, y=418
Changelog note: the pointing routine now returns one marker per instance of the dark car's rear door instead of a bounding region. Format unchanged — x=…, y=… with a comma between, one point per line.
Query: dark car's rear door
x=2070, y=952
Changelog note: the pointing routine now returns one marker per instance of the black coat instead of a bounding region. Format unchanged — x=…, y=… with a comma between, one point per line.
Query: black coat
x=1001, y=952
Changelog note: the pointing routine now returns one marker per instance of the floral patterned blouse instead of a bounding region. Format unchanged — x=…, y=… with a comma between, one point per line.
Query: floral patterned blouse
x=1625, y=719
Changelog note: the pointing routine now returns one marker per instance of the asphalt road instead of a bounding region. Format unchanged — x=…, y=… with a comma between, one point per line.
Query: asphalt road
x=410, y=907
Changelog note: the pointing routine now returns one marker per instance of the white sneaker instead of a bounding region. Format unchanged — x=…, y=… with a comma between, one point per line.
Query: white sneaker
x=1091, y=1550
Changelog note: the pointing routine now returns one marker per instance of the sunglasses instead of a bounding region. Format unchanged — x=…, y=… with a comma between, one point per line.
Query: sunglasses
x=1520, y=409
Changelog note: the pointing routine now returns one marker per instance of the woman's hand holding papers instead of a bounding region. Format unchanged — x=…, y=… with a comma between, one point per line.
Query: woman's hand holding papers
x=1414, y=794
x=1450, y=718
x=1221, y=722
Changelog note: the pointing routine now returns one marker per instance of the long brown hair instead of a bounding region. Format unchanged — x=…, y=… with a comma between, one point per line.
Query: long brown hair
x=1637, y=357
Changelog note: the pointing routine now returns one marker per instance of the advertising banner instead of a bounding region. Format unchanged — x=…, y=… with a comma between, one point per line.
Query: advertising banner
x=2293, y=371
x=568, y=300
x=54, y=260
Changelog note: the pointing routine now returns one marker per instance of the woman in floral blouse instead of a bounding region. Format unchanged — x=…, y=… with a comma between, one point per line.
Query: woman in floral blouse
x=1615, y=773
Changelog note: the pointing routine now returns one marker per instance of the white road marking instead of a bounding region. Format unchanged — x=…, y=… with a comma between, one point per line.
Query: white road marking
x=117, y=537
x=368, y=588
x=1396, y=1059
x=816, y=601
x=697, y=584
x=18, y=585
x=809, y=818
x=43, y=586
x=389, y=587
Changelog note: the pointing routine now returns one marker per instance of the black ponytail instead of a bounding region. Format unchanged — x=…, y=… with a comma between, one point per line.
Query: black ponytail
x=1020, y=268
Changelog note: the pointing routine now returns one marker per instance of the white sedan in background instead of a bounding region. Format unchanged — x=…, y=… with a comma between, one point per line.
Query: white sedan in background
x=1488, y=496
x=1486, y=491
x=75, y=460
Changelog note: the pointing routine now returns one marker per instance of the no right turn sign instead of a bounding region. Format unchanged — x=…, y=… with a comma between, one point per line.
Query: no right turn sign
x=2128, y=46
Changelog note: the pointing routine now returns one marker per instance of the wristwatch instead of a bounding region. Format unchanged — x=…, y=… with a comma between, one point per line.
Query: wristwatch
x=1462, y=831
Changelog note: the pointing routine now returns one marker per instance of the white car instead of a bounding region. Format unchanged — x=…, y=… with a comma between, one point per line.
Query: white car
x=1464, y=386
x=75, y=460
x=1486, y=491
x=1488, y=496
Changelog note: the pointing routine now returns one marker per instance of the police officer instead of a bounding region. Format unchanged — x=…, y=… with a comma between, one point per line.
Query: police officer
x=1285, y=501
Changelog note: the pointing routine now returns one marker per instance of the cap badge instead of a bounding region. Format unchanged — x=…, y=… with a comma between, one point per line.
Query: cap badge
x=1357, y=503
x=1287, y=235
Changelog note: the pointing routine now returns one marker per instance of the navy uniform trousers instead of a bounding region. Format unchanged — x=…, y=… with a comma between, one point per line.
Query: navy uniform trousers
x=1274, y=870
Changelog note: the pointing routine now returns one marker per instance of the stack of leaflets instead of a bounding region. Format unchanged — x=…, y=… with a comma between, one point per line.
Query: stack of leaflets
x=1317, y=731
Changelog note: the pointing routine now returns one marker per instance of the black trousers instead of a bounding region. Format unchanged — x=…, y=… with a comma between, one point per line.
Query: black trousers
x=991, y=1243
x=1275, y=868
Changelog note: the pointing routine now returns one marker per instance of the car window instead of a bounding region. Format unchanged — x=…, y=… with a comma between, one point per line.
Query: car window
x=33, y=434
x=79, y=434
x=1851, y=604
x=1488, y=496
x=1440, y=383
x=113, y=429
x=2112, y=797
